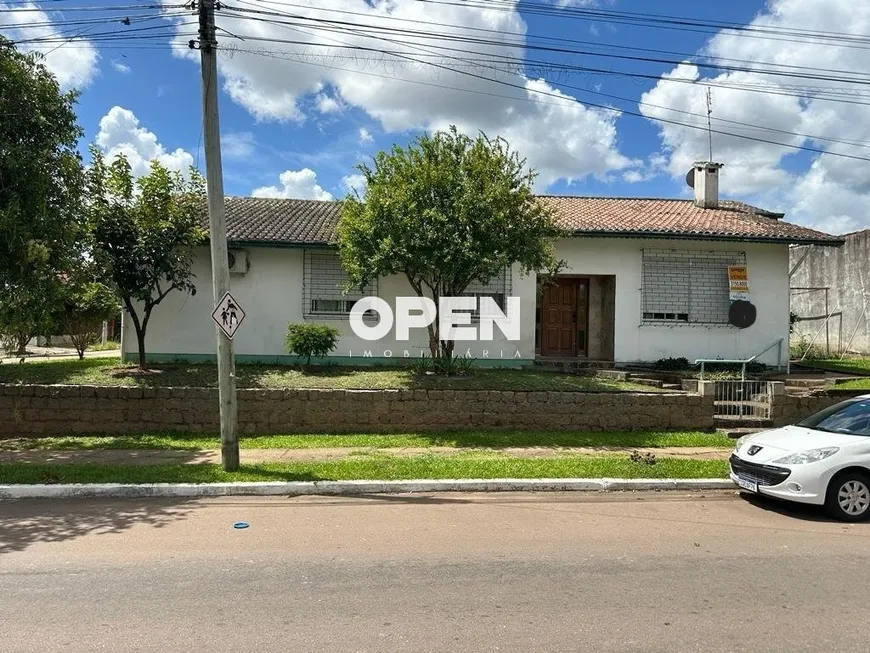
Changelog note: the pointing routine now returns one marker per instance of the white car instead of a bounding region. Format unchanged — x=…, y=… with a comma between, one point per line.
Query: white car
x=823, y=460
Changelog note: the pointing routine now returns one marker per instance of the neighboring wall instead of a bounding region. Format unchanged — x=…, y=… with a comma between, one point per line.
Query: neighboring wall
x=633, y=341
x=846, y=271
x=62, y=410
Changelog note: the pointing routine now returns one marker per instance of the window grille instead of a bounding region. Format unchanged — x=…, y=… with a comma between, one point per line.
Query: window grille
x=686, y=287
x=324, y=282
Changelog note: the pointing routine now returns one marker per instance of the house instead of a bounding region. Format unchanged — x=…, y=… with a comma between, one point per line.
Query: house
x=830, y=295
x=645, y=279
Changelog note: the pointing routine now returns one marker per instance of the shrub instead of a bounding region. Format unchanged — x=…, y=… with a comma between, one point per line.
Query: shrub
x=801, y=348
x=672, y=365
x=307, y=340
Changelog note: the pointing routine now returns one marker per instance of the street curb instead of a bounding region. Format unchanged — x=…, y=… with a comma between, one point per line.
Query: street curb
x=352, y=488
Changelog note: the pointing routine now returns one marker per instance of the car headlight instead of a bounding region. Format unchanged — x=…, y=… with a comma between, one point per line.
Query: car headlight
x=810, y=456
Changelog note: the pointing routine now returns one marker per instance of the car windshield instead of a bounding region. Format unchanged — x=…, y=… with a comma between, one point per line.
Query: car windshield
x=850, y=417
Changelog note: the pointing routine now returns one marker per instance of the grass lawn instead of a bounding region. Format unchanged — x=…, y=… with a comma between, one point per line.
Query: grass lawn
x=111, y=372
x=847, y=365
x=373, y=468
x=109, y=345
x=854, y=384
x=491, y=439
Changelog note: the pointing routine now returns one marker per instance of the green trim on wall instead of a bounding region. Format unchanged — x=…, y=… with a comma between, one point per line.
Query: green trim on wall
x=349, y=361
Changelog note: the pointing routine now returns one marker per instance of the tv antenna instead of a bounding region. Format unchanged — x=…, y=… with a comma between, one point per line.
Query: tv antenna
x=709, y=120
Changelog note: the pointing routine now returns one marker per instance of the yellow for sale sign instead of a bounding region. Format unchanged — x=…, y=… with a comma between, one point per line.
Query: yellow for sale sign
x=738, y=282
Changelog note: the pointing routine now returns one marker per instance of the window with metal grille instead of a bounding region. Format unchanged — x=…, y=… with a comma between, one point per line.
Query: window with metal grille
x=324, y=283
x=498, y=288
x=686, y=287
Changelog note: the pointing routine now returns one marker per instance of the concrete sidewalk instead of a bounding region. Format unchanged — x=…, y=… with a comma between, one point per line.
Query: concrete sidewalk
x=175, y=456
x=46, y=354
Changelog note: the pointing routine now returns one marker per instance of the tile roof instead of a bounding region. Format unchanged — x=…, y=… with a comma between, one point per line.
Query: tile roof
x=261, y=220
x=678, y=218
x=254, y=220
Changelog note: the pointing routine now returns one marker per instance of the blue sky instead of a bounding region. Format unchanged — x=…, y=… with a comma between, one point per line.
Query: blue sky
x=297, y=119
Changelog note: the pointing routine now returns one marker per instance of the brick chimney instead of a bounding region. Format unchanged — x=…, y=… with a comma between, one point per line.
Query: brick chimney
x=707, y=184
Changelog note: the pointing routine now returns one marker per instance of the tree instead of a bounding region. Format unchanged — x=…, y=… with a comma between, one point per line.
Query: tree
x=41, y=177
x=145, y=233
x=446, y=211
x=28, y=310
x=86, y=305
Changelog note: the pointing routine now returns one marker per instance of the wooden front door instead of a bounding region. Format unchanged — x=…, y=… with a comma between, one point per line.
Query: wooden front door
x=564, y=309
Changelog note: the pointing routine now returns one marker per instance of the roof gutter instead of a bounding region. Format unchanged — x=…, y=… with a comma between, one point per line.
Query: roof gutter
x=278, y=244
x=712, y=237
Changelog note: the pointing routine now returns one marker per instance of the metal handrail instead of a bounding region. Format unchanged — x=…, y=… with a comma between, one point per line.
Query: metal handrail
x=818, y=333
x=743, y=362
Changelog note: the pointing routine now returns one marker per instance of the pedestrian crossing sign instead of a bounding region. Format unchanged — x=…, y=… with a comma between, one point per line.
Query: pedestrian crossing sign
x=228, y=315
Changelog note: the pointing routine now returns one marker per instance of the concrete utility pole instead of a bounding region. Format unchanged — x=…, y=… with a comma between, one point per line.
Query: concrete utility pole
x=220, y=271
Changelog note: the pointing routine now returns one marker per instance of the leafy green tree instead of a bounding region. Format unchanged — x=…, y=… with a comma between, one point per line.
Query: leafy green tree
x=446, y=211
x=307, y=340
x=86, y=304
x=28, y=310
x=41, y=176
x=145, y=233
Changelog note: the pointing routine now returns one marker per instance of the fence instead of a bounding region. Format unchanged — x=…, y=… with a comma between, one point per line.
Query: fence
x=742, y=399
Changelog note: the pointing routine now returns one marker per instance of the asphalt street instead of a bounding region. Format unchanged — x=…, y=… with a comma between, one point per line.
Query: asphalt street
x=660, y=572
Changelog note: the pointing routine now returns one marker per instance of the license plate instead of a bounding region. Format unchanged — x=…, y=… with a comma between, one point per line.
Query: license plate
x=747, y=485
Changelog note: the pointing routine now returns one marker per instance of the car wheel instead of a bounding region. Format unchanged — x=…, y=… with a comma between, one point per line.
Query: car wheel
x=849, y=497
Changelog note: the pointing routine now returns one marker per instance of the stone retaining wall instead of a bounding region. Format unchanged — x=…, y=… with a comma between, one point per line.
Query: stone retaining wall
x=57, y=410
x=788, y=409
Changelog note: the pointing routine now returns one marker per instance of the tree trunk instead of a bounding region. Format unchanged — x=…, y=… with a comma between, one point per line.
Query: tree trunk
x=433, y=342
x=140, y=340
x=140, y=328
x=447, y=347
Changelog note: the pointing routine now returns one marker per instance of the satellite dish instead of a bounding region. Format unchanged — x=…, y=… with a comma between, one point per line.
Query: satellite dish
x=690, y=178
x=231, y=259
x=742, y=314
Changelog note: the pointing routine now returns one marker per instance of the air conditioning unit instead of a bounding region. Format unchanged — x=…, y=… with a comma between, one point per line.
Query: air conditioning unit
x=238, y=261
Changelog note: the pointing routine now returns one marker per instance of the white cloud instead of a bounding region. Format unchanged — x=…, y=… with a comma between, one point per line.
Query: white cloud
x=120, y=133
x=238, y=145
x=295, y=184
x=831, y=192
x=327, y=104
x=355, y=183
x=557, y=134
x=365, y=136
x=75, y=65
x=120, y=66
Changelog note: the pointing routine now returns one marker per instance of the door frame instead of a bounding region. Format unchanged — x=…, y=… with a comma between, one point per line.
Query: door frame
x=574, y=279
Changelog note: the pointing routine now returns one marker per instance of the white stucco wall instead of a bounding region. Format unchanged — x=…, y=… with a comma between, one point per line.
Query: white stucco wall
x=271, y=295
x=633, y=342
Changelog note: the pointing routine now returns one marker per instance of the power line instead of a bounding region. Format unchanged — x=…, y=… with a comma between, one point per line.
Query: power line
x=527, y=37
x=833, y=94
x=564, y=99
x=637, y=19
x=780, y=89
x=91, y=8
x=482, y=63
x=429, y=35
x=101, y=37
